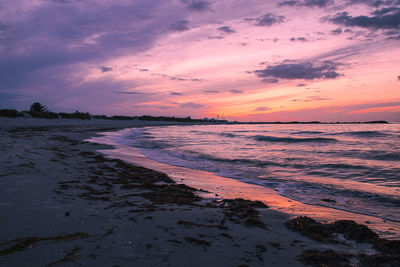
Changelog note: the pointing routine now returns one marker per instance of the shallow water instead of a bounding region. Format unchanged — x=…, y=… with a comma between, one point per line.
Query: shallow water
x=350, y=167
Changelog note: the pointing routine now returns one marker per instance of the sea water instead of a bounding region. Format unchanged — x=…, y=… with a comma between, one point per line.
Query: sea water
x=353, y=167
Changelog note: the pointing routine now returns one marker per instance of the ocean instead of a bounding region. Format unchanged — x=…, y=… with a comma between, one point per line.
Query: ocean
x=351, y=167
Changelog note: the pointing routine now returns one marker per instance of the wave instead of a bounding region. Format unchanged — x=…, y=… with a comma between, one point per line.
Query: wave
x=267, y=138
x=238, y=161
x=228, y=135
x=365, y=134
x=309, y=132
x=379, y=155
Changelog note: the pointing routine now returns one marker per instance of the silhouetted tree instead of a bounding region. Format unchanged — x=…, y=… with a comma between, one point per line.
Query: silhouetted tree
x=37, y=107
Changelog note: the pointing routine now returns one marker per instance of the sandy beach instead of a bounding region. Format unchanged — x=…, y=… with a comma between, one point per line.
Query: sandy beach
x=63, y=203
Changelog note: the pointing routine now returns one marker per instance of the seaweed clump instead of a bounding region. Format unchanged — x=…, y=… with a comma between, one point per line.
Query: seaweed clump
x=327, y=231
x=354, y=231
x=311, y=228
x=328, y=258
x=171, y=193
x=388, y=250
x=240, y=209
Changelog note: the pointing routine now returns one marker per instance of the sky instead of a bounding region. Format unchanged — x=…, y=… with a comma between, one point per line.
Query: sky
x=245, y=60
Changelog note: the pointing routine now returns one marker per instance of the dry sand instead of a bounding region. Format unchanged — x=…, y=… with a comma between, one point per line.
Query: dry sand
x=64, y=204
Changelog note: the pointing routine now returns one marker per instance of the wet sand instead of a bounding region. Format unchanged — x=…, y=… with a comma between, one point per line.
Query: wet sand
x=63, y=204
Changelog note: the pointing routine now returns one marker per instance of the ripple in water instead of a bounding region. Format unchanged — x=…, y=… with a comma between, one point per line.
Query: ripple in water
x=354, y=166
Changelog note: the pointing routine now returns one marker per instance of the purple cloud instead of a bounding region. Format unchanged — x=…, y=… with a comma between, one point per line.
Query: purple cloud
x=105, y=69
x=199, y=6
x=266, y=20
x=226, y=29
x=289, y=69
x=48, y=45
x=386, y=21
x=306, y=3
x=259, y=109
x=298, y=39
x=270, y=80
x=180, y=26
x=269, y=19
x=235, y=91
x=337, y=31
x=211, y=92
x=191, y=105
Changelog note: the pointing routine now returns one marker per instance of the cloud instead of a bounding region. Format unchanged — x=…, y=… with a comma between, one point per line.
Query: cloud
x=270, y=80
x=178, y=79
x=191, y=105
x=298, y=39
x=199, y=6
x=226, y=29
x=386, y=21
x=373, y=3
x=211, y=92
x=3, y=31
x=215, y=37
x=105, y=69
x=289, y=3
x=337, y=31
x=258, y=109
x=129, y=93
x=394, y=37
x=386, y=10
x=306, y=3
x=162, y=107
x=267, y=20
x=180, y=26
x=398, y=78
x=316, y=98
x=175, y=93
x=53, y=41
x=306, y=70
x=235, y=91
x=317, y=3
x=174, y=78
x=143, y=70
x=301, y=85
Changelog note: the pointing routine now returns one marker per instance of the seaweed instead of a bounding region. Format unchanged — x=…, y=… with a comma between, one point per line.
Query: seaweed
x=328, y=258
x=19, y=244
x=255, y=222
x=311, y=228
x=240, y=209
x=23, y=243
x=198, y=242
x=176, y=194
x=388, y=250
x=71, y=256
x=379, y=260
x=354, y=231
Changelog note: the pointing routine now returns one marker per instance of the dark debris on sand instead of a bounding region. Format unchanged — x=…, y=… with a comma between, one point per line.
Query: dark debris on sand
x=158, y=187
x=328, y=258
x=241, y=210
x=388, y=250
x=23, y=243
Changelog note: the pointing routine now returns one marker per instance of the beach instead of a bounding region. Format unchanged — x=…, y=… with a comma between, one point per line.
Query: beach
x=63, y=203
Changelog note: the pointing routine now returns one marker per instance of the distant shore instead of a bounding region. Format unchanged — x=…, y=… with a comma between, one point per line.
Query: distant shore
x=12, y=113
x=64, y=203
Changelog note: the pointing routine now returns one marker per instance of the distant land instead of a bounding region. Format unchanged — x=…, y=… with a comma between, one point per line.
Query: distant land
x=38, y=110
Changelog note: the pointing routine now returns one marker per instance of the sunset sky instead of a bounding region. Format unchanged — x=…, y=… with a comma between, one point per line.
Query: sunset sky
x=255, y=60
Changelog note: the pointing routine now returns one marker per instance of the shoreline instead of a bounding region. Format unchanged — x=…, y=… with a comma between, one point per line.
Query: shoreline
x=228, y=188
x=70, y=205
